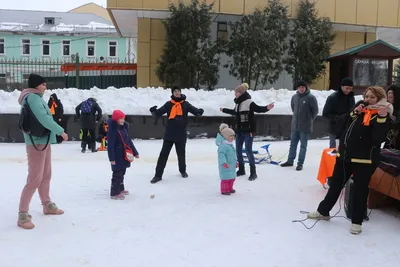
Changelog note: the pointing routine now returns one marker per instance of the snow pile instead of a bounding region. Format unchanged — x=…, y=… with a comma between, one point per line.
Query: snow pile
x=62, y=27
x=138, y=101
x=13, y=26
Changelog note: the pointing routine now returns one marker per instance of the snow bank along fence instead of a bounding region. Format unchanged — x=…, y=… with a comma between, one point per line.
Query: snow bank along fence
x=147, y=127
x=68, y=73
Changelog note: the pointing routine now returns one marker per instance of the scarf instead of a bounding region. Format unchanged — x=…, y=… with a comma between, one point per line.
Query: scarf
x=176, y=109
x=373, y=110
x=25, y=92
x=368, y=114
x=53, y=108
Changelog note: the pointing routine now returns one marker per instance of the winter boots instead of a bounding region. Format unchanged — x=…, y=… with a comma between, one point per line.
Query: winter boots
x=24, y=220
x=241, y=170
x=317, y=216
x=253, y=174
x=355, y=229
x=50, y=208
x=155, y=180
x=184, y=175
x=287, y=164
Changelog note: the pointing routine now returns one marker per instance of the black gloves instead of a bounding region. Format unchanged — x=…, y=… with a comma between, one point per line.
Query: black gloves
x=153, y=109
x=201, y=111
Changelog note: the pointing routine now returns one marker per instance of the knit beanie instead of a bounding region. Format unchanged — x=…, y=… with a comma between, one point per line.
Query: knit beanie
x=242, y=88
x=227, y=132
x=175, y=87
x=35, y=80
x=347, y=82
x=301, y=83
x=223, y=126
x=117, y=114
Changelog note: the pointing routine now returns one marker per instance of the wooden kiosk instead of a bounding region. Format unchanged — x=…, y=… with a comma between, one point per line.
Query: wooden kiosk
x=367, y=65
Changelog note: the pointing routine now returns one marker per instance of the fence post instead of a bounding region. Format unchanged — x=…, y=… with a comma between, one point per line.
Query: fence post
x=77, y=70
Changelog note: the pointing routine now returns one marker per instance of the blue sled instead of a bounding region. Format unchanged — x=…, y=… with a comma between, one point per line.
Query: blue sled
x=261, y=158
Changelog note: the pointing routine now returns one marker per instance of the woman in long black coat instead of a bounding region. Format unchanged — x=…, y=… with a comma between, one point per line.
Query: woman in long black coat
x=57, y=110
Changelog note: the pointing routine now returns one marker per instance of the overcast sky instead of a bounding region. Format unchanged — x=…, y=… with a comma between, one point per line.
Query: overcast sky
x=47, y=5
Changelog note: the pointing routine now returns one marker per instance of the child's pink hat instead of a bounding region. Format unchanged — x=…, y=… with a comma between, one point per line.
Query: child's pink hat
x=117, y=114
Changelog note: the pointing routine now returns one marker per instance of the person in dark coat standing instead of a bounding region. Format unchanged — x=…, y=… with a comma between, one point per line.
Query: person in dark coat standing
x=245, y=126
x=118, y=138
x=337, y=104
x=177, y=110
x=57, y=110
x=393, y=97
x=361, y=133
x=305, y=109
x=88, y=113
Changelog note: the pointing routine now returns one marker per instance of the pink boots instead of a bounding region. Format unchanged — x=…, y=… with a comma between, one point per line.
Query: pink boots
x=25, y=219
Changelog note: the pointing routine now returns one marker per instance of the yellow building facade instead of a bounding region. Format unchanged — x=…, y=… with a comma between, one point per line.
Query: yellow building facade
x=355, y=23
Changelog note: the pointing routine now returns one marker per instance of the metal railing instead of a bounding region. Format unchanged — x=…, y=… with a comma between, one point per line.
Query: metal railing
x=68, y=73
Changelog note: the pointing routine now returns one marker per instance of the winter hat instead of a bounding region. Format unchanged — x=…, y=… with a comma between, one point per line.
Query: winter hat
x=175, y=87
x=223, y=126
x=301, y=83
x=347, y=82
x=227, y=132
x=117, y=114
x=105, y=117
x=35, y=80
x=242, y=88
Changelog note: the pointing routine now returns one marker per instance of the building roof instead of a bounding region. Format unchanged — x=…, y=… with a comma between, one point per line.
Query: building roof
x=391, y=50
x=65, y=22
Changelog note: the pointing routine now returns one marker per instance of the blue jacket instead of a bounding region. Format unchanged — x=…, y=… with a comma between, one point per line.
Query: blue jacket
x=219, y=139
x=227, y=154
x=116, y=151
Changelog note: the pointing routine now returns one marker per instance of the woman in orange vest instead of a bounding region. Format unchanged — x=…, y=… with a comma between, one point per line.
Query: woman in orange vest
x=361, y=133
x=57, y=110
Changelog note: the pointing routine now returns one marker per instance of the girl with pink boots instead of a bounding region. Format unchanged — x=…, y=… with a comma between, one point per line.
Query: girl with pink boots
x=40, y=132
x=227, y=161
x=121, y=152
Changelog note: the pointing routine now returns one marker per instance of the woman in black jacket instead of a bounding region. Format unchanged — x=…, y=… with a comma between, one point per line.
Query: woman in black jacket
x=361, y=133
x=393, y=96
x=245, y=126
x=57, y=110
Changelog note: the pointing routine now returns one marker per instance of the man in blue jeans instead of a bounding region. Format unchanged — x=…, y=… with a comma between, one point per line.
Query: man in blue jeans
x=305, y=109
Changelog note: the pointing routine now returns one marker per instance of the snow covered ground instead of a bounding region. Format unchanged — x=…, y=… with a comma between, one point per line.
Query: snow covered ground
x=138, y=101
x=188, y=223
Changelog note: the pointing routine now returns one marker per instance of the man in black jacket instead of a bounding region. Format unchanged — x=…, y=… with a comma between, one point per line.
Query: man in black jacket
x=86, y=114
x=57, y=110
x=175, y=131
x=340, y=102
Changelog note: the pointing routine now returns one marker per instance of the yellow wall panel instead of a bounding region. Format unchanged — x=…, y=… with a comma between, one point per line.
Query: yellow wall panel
x=231, y=7
x=326, y=81
x=340, y=41
x=388, y=13
x=216, y=4
x=154, y=4
x=295, y=7
x=157, y=30
x=111, y=3
x=354, y=39
x=143, y=77
x=143, y=30
x=130, y=3
x=154, y=81
x=251, y=5
x=143, y=54
x=288, y=3
x=346, y=11
x=156, y=49
x=371, y=37
x=318, y=84
x=326, y=8
x=367, y=13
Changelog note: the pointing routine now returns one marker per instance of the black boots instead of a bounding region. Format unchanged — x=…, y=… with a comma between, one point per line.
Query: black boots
x=287, y=164
x=241, y=170
x=253, y=174
x=184, y=175
x=155, y=179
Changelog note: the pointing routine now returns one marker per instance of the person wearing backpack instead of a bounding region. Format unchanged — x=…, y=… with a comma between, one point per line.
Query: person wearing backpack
x=39, y=130
x=88, y=113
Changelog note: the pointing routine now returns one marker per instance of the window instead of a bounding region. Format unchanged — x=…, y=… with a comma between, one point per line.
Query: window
x=90, y=45
x=26, y=47
x=222, y=31
x=66, y=48
x=112, y=48
x=49, y=21
x=45, y=48
x=2, y=47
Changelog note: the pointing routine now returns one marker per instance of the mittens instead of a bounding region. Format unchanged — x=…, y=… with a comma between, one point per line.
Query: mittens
x=153, y=109
x=237, y=164
x=201, y=111
x=225, y=165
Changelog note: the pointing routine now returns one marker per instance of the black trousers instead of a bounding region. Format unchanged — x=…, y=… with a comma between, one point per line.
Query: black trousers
x=90, y=141
x=117, y=182
x=164, y=154
x=361, y=176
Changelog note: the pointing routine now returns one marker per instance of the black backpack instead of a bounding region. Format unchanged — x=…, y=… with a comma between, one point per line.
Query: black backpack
x=31, y=126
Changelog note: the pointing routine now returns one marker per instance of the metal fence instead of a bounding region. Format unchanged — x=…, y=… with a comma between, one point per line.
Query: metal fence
x=68, y=73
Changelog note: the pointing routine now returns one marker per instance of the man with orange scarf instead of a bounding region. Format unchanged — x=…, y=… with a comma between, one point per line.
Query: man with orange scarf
x=57, y=110
x=177, y=110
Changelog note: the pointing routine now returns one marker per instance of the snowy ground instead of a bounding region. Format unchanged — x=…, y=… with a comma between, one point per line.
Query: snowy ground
x=188, y=223
x=138, y=101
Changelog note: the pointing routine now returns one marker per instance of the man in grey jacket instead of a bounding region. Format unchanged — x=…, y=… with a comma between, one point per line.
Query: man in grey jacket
x=305, y=109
